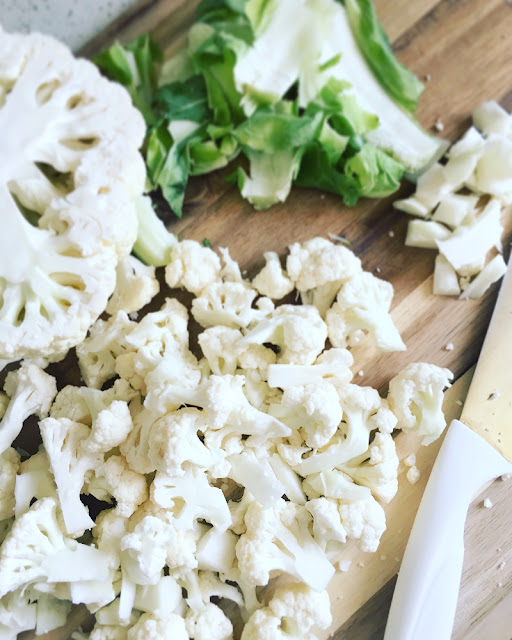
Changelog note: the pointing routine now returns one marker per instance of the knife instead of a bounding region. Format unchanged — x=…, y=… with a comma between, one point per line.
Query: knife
x=476, y=449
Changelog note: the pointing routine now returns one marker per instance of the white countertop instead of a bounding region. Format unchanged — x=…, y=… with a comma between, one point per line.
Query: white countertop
x=72, y=21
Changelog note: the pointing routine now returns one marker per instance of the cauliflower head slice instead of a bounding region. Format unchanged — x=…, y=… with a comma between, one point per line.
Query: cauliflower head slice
x=290, y=615
x=416, y=398
x=70, y=174
x=362, y=305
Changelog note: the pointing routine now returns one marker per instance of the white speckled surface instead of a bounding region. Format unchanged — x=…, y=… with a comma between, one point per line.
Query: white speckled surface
x=72, y=21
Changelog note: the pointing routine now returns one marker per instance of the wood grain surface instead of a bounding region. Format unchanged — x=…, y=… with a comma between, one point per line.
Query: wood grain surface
x=463, y=48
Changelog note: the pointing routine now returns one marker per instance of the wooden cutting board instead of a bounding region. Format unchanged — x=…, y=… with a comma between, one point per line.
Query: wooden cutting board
x=461, y=48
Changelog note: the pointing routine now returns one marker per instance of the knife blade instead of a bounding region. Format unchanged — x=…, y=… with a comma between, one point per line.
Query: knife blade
x=476, y=449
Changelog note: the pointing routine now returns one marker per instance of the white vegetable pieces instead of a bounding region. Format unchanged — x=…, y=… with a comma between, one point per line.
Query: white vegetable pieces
x=70, y=172
x=461, y=202
x=259, y=405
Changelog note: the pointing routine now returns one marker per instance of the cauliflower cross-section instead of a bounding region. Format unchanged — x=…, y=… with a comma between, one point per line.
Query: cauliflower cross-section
x=70, y=172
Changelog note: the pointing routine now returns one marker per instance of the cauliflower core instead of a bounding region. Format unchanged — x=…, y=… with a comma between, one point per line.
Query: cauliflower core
x=70, y=172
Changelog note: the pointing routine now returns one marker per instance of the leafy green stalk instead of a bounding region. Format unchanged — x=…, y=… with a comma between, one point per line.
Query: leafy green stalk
x=399, y=82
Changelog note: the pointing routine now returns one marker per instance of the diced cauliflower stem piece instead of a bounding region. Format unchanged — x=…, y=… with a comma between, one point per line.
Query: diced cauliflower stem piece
x=76, y=169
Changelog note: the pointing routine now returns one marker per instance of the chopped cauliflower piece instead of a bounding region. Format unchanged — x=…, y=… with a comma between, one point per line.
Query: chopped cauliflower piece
x=192, y=267
x=490, y=274
x=362, y=305
x=416, y=397
x=31, y=392
x=136, y=285
x=291, y=613
x=319, y=267
x=272, y=281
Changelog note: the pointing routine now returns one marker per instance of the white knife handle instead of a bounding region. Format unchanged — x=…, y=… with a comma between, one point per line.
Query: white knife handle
x=425, y=597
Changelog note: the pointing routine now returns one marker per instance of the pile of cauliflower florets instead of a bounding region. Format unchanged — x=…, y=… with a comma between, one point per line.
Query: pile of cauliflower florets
x=215, y=467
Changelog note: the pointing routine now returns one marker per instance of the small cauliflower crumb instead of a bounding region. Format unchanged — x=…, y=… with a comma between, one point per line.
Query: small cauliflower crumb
x=391, y=234
x=413, y=475
x=459, y=402
x=360, y=563
x=383, y=557
x=449, y=347
x=344, y=565
x=493, y=396
x=438, y=126
x=502, y=565
x=410, y=461
x=506, y=476
x=487, y=503
x=361, y=373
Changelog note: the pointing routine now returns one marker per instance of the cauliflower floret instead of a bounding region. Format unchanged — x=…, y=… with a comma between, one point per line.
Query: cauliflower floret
x=361, y=515
x=272, y=281
x=290, y=615
x=278, y=539
x=62, y=440
x=314, y=409
x=328, y=531
x=31, y=391
x=110, y=427
x=362, y=304
x=9, y=465
x=378, y=468
x=18, y=612
x=173, y=545
x=36, y=551
x=98, y=352
x=318, y=268
x=297, y=330
x=109, y=632
x=365, y=521
x=150, y=627
x=190, y=497
x=230, y=304
x=192, y=267
x=219, y=346
x=114, y=478
x=136, y=285
x=333, y=363
x=78, y=168
x=173, y=442
x=353, y=436
x=83, y=404
x=416, y=398
x=208, y=623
